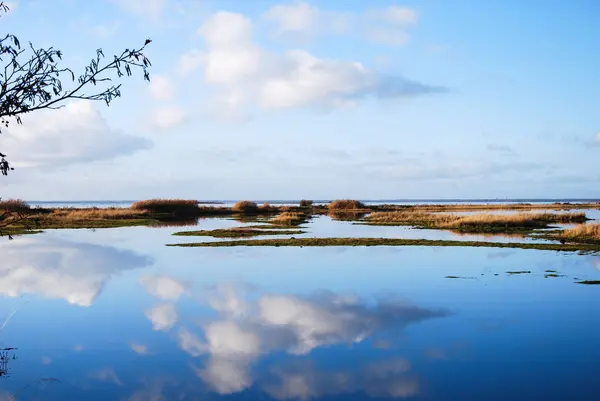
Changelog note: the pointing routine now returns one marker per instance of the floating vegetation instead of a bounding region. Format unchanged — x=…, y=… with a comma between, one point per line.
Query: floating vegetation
x=519, y=272
x=466, y=278
x=237, y=232
x=589, y=282
x=302, y=242
x=553, y=275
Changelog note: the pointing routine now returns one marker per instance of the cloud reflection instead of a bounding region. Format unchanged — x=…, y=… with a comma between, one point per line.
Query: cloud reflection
x=163, y=287
x=61, y=269
x=297, y=325
x=163, y=316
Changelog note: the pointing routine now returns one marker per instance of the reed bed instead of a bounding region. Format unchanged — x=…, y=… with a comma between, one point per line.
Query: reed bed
x=176, y=207
x=583, y=233
x=346, y=204
x=96, y=213
x=483, y=222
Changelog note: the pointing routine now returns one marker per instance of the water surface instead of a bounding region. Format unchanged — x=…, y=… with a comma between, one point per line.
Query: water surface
x=115, y=314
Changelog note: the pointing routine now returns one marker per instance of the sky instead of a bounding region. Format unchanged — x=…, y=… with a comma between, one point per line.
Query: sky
x=261, y=99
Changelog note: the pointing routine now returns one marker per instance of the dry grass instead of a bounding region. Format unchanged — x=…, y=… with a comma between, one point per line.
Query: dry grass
x=288, y=219
x=267, y=208
x=96, y=213
x=175, y=207
x=346, y=204
x=306, y=203
x=14, y=205
x=483, y=222
x=583, y=233
x=245, y=206
x=346, y=215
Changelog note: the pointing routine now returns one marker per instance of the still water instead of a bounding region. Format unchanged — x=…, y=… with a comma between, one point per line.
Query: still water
x=116, y=315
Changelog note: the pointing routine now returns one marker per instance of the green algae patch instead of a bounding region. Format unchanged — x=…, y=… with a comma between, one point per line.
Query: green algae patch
x=320, y=242
x=237, y=232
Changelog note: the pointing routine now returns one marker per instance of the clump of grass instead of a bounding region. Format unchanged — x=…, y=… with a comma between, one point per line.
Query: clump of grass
x=589, y=282
x=519, y=272
x=346, y=204
x=174, y=207
x=583, y=233
x=306, y=203
x=245, y=206
x=346, y=215
x=14, y=205
x=288, y=219
x=267, y=207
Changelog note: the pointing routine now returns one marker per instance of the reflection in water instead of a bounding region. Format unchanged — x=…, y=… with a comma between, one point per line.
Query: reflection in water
x=387, y=379
x=163, y=316
x=56, y=268
x=248, y=328
x=165, y=288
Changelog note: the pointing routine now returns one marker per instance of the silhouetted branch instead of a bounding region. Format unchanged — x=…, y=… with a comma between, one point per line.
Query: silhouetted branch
x=31, y=78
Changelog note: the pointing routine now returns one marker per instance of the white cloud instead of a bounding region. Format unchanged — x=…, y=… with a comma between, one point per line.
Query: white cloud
x=152, y=9
x=163, y=287
x=389, y=25
x=59, y=269
x=190, y=61
x=74, y=134
x=597, y=138
x=139, y=348
x=168, y=117
x=247, y=75
x=161, y=88
x=298, y=18
x=399, y=15
x=163, y=317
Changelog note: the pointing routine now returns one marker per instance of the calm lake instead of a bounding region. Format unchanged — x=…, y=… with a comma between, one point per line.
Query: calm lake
x=114, y=314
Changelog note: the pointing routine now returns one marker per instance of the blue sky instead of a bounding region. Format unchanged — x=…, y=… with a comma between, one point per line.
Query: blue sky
x=325, y=99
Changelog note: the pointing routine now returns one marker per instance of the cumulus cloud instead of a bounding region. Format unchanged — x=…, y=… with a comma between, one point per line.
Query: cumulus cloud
x=296, y=325
x=163, y=317
x=74, y=134
x=60, y=269
x=245, y=74
x=168, y=117
x=163, y=287
x=161, y=88
x=597, y=138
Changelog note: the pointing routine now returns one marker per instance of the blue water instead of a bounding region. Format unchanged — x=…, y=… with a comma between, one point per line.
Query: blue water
x=115, y=314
